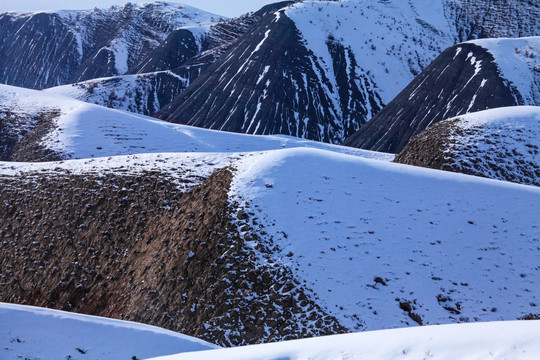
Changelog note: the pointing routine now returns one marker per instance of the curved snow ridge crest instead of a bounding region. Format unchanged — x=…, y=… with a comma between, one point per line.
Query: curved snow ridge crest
x=499, y=340
x=39, y=333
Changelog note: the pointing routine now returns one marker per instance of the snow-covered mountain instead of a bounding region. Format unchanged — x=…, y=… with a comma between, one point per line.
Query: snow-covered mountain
x=499, y=143
x=244, y=239
x=468, y=77
x=168, y=70
x=44, y=49
x=37, y=333
x=320, y=70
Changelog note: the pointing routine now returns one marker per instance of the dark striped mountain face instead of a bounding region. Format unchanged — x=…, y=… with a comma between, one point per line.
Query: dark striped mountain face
x=288, y=95
x=462, y=79
x=40, y=50
x=467, y=77
x=320, y=70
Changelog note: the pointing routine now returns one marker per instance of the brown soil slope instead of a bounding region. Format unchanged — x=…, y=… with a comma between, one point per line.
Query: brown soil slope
x=139, y=248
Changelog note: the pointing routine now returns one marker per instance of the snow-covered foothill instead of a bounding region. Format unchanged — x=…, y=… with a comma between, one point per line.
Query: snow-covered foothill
x=37, y=333
x=501, y=143
x=383, y=245
x=87, y=131
x=518, y=340
x=519, y=63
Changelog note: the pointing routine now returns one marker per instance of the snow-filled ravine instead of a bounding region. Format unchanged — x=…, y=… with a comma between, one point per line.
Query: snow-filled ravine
x=36, y=333
x=496, y=340
x=383, y=245
x=86, y=131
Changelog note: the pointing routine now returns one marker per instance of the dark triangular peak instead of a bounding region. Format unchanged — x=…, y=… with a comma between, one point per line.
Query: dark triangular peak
x=463, y=79
x=271, y=83
x=202, y=44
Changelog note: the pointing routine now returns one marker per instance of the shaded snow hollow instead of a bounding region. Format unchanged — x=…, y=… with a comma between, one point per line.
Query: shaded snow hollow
x=29, y=332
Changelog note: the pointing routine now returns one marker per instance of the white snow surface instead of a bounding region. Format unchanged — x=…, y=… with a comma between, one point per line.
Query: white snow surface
x=87, y=131
x=519, y=63
x=37, y=333
x=457, y=248
x=389, y=46
x=512, y=117
x=497, y=340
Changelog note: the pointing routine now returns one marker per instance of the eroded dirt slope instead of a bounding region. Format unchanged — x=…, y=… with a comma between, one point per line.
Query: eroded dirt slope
x=139, y=248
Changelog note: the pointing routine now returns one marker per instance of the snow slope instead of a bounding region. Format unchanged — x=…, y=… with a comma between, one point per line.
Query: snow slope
x=497, y=340
x=501, y=143
x=37, y=333
x=519, y=63
x=383, y=245
x=86, y=130
x=395, y=40
x=386, y=43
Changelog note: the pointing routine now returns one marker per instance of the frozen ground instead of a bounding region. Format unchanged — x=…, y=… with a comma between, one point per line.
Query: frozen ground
x=501, y=143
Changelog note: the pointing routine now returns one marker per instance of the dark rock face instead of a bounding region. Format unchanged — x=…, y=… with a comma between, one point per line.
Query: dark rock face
x=475, y=19
x=179, y=46
x=270, y=83
x=282, y=88
x=48, y=49
x=463, y=79
x=55, y=48
x=167, y=70
x=87, y=244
